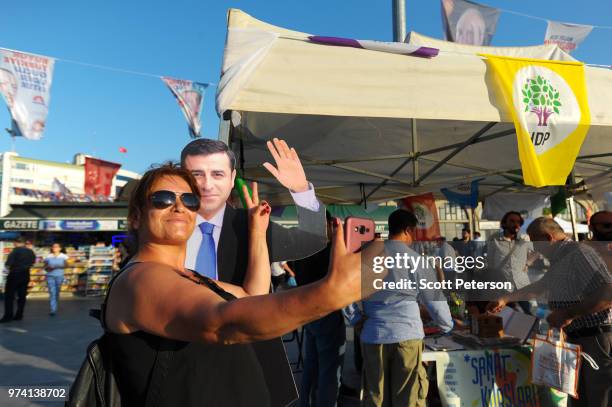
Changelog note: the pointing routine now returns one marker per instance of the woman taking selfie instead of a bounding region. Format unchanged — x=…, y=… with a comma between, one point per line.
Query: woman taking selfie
x=157, y=307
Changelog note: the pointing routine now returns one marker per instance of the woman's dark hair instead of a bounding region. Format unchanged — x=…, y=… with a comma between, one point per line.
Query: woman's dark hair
x=139, y=200
x=62, y=248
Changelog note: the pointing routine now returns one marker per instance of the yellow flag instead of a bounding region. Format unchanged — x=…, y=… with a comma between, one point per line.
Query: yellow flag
x=550, y=110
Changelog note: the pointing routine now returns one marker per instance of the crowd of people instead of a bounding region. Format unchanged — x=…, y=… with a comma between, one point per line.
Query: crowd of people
x=18, y=262
x=194, y=299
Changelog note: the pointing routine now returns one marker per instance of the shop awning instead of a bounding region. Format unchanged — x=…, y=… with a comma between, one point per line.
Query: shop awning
x=66, y=216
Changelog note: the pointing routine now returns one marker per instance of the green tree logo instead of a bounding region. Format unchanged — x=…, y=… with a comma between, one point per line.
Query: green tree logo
x=541, y=98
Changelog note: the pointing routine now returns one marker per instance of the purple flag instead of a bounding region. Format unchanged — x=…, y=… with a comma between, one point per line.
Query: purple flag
x=390, y=47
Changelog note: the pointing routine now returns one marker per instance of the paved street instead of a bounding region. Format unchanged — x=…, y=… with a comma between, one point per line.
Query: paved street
x=42, y=350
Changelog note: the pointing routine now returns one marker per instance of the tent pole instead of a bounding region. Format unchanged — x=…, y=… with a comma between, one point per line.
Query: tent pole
x=399, y=20
x=415, y=149
x=594, y=156
x=572, y=205
x=386, y=179
x=589, y=162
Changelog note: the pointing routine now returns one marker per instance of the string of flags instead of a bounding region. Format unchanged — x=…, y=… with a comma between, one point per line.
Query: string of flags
x=468, y=22
x=25, y=79
x=25, y=85
x=189, y=95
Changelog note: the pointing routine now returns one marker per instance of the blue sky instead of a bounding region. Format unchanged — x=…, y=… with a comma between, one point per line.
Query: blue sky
x=96, y=111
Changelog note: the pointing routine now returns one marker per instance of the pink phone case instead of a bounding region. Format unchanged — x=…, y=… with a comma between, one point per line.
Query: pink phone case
x=357, y=231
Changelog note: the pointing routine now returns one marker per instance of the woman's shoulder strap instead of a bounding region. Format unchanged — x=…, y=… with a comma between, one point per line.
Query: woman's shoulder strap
x=100, y=314
x=198, y=279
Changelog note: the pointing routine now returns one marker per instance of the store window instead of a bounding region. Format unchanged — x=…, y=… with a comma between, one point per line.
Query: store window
x=448, y=211
x=581, y=215
x=21, y=166
x=22, y=180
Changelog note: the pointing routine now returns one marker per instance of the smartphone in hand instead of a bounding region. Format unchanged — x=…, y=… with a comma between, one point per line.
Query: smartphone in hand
x=358, y=231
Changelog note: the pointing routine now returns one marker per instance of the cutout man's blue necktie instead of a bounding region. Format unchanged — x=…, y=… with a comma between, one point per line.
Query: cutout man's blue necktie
x=206, y=262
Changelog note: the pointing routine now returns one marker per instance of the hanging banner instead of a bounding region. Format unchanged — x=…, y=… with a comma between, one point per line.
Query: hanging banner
x=496, y=377
x=190, y=96
x=25, y=84
x=566, y=36
x=466, y=22
x=550, y=110
x=530, y=206
x=464, y=195
x=99, y=176
x=424, y=208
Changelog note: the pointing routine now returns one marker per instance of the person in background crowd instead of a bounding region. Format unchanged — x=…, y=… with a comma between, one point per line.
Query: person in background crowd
x=29, y=245
x=18, y=262
x=281, y=273
x=479, y=245
x=55, y=263
x=600, y=226
x=464, y=246
x=509, y=255
x=392, y=333
x=445, y=250
x=324, y=339
x=578, y=288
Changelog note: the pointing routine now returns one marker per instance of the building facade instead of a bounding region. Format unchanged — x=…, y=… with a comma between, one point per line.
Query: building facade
x=26, y=179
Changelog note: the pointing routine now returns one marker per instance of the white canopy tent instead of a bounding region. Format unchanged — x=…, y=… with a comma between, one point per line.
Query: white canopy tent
x=380, y=126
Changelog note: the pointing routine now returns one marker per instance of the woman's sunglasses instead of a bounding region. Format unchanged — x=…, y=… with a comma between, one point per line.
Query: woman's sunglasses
x=165, y=199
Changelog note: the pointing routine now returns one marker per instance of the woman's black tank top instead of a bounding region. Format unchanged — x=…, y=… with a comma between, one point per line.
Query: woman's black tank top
x=194, y=374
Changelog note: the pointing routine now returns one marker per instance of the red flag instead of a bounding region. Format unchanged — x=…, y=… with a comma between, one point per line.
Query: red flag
x=122, y=150
x=424, y=208
x=99, y=176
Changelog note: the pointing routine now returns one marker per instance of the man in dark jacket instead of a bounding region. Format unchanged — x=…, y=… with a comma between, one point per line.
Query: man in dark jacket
x=18, y=262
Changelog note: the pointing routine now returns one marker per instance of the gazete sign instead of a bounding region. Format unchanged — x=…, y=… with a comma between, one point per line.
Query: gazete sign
x=18, y=224
x=550, y=110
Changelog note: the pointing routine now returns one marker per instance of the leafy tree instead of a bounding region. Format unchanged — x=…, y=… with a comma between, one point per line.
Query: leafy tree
x=541, y=98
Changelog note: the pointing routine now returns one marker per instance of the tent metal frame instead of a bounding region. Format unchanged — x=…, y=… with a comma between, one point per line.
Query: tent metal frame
x=414, y=157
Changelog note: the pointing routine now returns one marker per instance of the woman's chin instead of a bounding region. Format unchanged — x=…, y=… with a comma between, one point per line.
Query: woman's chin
x=176, y=239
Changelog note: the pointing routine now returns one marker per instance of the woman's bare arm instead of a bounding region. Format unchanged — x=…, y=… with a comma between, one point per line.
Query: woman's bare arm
x=155, y=299
x=258, y=275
